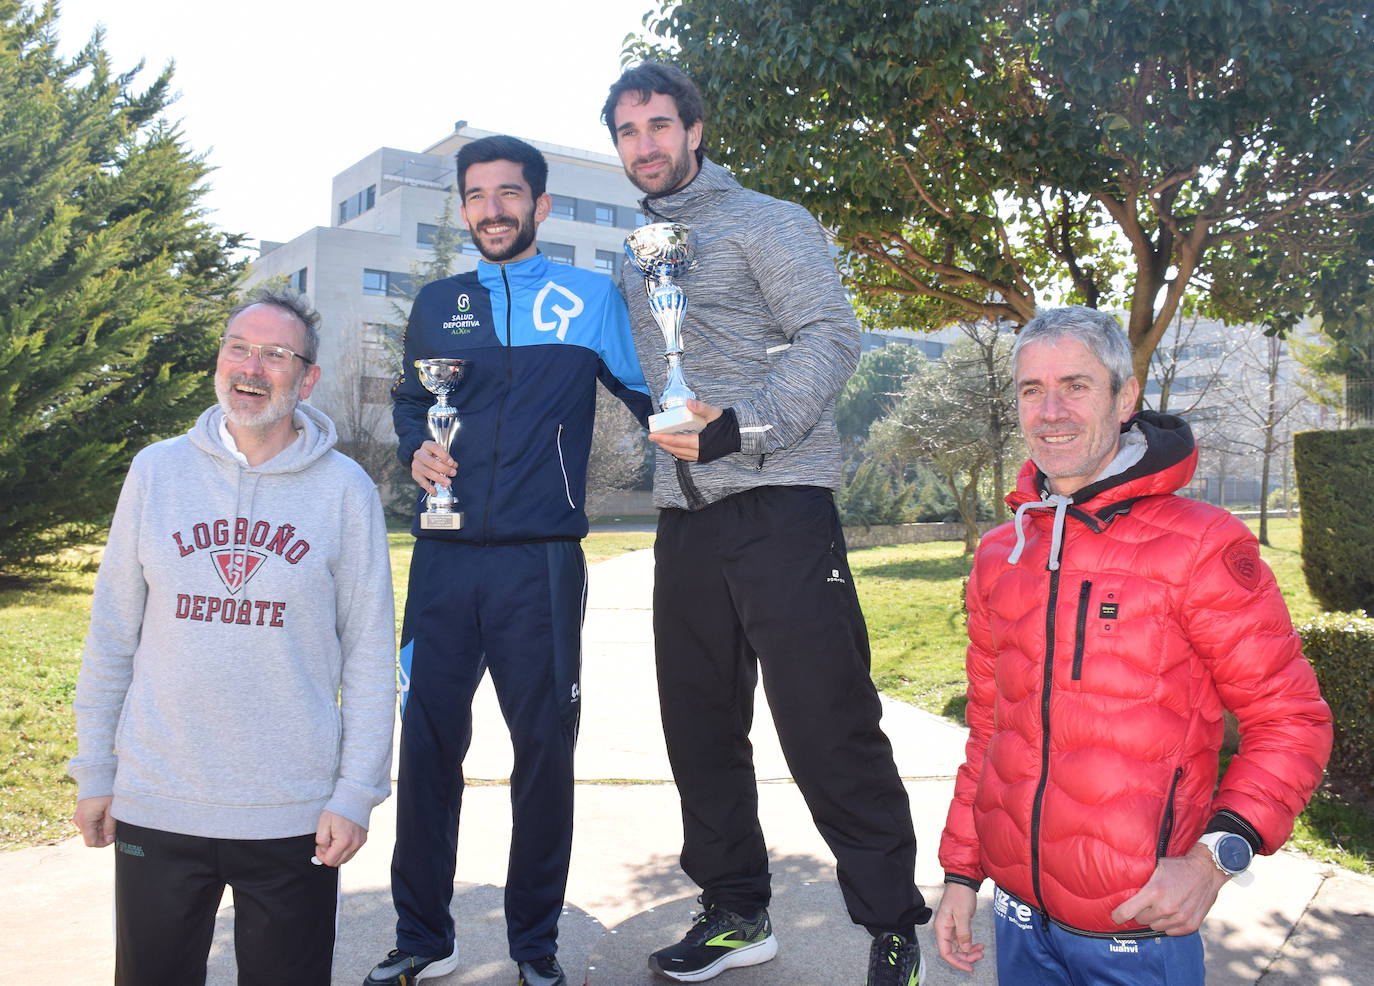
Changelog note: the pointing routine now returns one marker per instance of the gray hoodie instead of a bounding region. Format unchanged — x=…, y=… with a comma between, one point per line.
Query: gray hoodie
x=768, y=331
x=239, y=674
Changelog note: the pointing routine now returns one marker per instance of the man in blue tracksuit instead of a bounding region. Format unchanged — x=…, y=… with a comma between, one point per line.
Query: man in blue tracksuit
x=504, y=592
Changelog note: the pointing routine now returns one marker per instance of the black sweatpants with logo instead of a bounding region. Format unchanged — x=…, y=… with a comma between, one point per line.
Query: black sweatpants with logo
x=760, y=580
x=168, y=887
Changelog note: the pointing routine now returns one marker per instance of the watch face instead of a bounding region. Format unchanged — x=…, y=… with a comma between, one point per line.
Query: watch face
x=1233, y=852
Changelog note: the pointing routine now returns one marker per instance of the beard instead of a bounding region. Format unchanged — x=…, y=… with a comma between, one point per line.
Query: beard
x=524, y=236
x=280, y=403
x=670, y=179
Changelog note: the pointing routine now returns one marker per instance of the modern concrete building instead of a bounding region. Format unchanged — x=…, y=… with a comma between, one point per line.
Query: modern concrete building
x=386, y=208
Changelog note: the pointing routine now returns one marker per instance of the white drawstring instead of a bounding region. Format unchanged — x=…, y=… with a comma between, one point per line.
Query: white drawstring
x=1052, y=501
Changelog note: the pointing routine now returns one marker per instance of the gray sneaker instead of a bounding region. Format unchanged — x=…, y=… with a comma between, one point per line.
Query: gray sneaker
x=402, y=968
x=541, y=972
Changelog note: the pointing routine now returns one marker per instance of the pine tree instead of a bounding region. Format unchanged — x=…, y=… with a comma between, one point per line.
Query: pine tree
x=113, y=288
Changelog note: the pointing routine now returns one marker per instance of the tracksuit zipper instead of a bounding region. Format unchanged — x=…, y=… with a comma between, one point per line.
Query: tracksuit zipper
x=1038, y=803
x=563, y=467
x=500, y=412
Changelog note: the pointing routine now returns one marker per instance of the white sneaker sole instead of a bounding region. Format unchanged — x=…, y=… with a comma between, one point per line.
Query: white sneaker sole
x=440, y=968
x=755, y=954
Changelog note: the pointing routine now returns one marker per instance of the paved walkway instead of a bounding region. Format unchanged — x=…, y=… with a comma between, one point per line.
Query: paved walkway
x=1301, y=922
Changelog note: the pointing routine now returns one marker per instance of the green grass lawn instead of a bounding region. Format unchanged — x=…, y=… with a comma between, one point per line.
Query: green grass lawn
x=911, y=597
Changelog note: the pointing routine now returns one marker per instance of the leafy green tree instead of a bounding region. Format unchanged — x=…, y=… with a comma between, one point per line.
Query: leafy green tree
x=875, y=494
x=113, y=288
x=957, y=416
x=873, y=389
x=978, y=157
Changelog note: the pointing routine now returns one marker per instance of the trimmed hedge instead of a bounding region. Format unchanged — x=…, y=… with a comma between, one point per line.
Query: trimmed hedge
x=1335, y=472
x=1341, y=649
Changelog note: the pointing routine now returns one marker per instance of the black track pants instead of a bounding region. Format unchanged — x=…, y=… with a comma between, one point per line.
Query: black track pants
x=761, y=580
x=168, y=887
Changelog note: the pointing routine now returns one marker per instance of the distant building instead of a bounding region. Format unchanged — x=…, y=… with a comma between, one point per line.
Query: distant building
x=383, y=218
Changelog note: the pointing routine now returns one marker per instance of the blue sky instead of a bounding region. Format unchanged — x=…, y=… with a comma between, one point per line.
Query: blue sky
x=280, y=96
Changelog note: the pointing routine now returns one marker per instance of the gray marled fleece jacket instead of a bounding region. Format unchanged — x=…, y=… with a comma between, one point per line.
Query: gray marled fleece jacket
x=768, y=332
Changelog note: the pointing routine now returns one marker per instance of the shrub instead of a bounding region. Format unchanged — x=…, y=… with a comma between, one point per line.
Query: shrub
x=1333, y=470
x=1341, y=649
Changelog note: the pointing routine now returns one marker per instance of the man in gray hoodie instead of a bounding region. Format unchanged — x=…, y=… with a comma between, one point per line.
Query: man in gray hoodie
x=750, y=564
x=235, y=702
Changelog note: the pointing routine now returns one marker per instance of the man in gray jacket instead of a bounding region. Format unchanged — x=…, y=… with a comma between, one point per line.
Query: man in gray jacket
x=236, y=697
x=750, y=564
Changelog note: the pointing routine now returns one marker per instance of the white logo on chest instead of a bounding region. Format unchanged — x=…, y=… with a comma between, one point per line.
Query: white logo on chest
x=563, y=314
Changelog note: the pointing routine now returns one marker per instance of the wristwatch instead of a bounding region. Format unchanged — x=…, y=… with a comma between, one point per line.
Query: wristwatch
x=1232, y=854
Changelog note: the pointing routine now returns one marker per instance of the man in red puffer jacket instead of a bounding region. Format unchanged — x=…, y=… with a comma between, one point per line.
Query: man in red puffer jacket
x=1110, y=625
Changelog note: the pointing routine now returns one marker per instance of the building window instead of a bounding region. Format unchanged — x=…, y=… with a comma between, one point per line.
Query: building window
x=559, y=253
x=388, y=283
x=356, y=205
x=604, y=214
x=376, y=390
x=374, y=281
x=466, y=246
x=605, y=261
x=564, y=207
x=374, y=339
x=296, y=282
x=425, y=233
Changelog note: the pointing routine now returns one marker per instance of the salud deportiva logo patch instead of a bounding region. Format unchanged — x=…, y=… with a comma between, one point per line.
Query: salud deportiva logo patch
x=1243, y=562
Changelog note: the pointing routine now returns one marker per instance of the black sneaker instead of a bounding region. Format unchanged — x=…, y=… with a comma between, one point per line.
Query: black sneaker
x=719, y=940
x=894, y=961
x=402, y=968
x=541, y=972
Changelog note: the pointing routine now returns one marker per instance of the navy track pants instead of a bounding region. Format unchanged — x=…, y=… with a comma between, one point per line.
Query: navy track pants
x=514, y=611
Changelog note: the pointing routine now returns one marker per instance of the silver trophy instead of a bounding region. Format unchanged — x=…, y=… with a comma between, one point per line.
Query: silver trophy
x=440, y=377
x=660, y=252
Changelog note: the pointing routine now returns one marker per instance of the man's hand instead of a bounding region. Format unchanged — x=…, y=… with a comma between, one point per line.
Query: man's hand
x=431, y=463
x=1178, y=896
x=953, y=926
x=337, y=839
x=94, y=820
x=683, y=446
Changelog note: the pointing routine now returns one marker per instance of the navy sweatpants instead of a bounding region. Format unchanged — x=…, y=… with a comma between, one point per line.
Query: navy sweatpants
x=514, y=611
x=761, y=579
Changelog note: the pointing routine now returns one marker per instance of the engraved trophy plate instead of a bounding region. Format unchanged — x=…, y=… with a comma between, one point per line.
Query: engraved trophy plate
x=660, y=252
x=440, y=377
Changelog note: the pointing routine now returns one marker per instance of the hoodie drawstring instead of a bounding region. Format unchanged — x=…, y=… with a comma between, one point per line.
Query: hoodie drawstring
x=1052, y=501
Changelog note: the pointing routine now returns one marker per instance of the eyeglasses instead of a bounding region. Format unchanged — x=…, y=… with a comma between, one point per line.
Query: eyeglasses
x=276, y=358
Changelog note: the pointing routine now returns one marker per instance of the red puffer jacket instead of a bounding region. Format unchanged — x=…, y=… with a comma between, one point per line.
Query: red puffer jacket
x=1102, y=653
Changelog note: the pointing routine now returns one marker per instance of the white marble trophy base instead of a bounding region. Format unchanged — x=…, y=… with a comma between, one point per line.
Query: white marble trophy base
x=676, y=421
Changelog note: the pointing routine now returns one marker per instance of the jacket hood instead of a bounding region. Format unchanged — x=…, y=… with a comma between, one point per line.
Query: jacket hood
x=1164, y=465
x=1168, y=463
x=316, y=436
x=710, y=181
